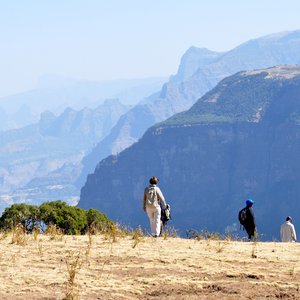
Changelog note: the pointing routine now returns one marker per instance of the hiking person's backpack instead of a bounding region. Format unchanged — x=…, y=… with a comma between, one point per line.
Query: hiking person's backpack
x=151, y=196
x=243, y=216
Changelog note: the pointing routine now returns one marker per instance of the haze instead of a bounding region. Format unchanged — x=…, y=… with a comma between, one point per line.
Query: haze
x=104, y=40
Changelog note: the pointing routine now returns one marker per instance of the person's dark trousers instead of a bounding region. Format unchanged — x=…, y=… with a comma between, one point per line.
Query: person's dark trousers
x=251, y=233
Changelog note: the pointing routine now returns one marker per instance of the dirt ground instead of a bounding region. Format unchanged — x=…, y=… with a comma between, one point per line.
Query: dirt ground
x=80, y=267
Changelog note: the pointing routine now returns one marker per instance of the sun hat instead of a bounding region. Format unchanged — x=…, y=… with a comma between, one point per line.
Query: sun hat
x=153, y=180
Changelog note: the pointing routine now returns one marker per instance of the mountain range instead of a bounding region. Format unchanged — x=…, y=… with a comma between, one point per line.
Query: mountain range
x=66, y=144
x=55, y=94
x=239, y=140
x=199, y=71
x=41, y=161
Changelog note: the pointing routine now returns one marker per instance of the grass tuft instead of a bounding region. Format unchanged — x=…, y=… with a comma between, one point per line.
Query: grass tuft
x=114, y=231
x=19, y=235
x=36, y=232
x=253, y=251
x=73, y=264
x=137, y=236
x=54, y=232
x=169, y=231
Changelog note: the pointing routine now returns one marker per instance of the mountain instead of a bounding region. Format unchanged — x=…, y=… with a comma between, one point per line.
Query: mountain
x=267, y=51
x=192, y=60
x=40, y=162
x=56, y=94
x=240, y=140
x=175, y=96
x=92, y=124
x=199, y=71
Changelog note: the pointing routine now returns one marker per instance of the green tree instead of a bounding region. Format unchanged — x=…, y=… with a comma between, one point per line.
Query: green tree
x=27, y=215
x=69, y=218
x=97, y=221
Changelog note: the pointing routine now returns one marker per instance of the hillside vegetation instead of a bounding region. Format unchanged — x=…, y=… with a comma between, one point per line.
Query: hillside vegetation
x=138, y=267
x=243, y=97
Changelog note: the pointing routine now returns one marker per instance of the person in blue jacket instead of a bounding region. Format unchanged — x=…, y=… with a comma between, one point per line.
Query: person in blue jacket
x=250, y=225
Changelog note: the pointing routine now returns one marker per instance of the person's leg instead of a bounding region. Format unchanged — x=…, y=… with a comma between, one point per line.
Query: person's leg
x=157, y=221
x=161, y=227
x=249, y=236
x=248, y=230
x=251, y=233
x=151, y=215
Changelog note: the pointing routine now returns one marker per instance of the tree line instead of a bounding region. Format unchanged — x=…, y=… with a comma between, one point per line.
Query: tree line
x=70, y=219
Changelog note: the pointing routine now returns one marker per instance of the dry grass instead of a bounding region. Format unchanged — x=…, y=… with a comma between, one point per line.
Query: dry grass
x=137, y=237
x=172, y=268
x=19, y=235
x=54, y=232
x=73, y=263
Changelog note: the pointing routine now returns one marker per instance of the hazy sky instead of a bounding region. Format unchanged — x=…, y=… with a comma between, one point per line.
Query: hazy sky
x=112, y=39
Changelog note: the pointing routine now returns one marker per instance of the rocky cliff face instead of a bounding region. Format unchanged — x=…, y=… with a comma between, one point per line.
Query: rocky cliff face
x=240, y=140
x=199, y=71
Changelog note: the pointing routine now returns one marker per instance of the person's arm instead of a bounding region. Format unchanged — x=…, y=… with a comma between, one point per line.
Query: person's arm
x=251, y=217
x=161, y=198
x=294, y=233
x=144, y=201
x=281, y=233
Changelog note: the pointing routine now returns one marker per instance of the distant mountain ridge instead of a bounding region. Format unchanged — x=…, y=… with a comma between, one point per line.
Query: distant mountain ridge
x=199, y=71
x=42, y=154
x=56, y=94
x=235, y=104
x=92, y=123
x=240, y=140
x=192, y=60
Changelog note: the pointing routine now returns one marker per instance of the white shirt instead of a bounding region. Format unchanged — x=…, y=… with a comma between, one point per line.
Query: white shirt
x=287, y=232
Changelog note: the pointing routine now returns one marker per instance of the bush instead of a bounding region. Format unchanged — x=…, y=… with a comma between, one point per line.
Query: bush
x=26, y=215
x=97, y=222
x=70, y=219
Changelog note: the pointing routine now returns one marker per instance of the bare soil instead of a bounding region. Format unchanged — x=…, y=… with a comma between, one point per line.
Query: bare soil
x=75, y=267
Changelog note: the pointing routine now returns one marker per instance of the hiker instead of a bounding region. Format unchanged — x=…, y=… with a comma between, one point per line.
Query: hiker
x=247, y=219
x=287, y=231
x=153, y=202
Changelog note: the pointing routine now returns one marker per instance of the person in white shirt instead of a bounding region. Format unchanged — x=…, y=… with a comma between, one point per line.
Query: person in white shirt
x=287, y=231
x=153, y=202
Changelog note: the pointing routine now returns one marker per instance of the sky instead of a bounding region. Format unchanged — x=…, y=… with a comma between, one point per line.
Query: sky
x=124, y=39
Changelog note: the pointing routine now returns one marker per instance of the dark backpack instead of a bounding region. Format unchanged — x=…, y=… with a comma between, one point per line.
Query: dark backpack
x=165, y=214
x=243, y=216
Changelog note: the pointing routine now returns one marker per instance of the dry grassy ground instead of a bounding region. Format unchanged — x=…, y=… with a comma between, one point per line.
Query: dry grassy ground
x=147, y=268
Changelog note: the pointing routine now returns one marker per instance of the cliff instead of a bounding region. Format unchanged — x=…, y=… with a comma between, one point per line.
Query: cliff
x=199, y=71
x=240, y=140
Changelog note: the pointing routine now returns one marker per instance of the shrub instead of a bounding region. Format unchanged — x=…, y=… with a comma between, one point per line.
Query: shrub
x=26, y=215
x=97, y=222
x=72, y=220
x=68, y=219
